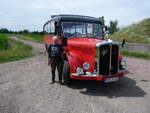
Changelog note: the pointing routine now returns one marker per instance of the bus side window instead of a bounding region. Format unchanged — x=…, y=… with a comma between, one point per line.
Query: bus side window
x=52, y=28
x=44, y=29
x=47, y=28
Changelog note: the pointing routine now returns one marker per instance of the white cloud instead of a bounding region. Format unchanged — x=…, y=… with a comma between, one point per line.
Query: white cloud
x=31, y=14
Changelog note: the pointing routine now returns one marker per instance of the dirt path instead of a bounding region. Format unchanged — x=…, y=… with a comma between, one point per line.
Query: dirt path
x=36, y=46
x=25, y=88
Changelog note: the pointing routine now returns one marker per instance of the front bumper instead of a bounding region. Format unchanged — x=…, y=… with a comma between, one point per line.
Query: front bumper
x=94, y=76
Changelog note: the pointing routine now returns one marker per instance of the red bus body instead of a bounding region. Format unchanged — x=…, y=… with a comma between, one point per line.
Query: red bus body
x=84, y=49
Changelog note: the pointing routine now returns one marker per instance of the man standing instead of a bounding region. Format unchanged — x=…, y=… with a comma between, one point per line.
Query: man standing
x=55, y=51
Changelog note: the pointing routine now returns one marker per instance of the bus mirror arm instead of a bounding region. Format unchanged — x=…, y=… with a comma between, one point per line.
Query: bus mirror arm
x=123, y=43
x=64, y=41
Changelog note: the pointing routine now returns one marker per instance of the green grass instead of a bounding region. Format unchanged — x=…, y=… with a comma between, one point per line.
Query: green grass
x=3, y=42
x=136, y=33
x=16, y=51
x=32, y=37
x=136, y=55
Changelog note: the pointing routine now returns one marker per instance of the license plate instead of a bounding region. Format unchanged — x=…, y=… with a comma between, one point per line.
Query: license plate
x=107, y=80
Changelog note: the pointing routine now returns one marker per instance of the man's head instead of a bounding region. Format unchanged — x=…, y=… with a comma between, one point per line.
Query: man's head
x=55, y=40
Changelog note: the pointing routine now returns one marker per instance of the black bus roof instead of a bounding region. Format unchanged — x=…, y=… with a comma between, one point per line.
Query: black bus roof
x=74, y=18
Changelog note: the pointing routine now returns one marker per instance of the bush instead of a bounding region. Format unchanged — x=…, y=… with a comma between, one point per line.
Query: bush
x=3, y=42
x=113, y=26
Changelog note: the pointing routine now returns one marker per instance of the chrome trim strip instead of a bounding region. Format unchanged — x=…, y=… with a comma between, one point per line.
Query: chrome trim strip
x=105, y=42
x=89, y=74
x=97, y=57
x=110, y=59
x=120, y=71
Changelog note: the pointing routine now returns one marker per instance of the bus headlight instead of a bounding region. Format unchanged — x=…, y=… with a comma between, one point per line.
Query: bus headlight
x=79, y=71
x=86, y=66
x=123, y=64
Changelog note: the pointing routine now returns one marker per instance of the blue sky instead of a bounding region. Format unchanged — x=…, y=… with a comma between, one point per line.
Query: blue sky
x=32, y=14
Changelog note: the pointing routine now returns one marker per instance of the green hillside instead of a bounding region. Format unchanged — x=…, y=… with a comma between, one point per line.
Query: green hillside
x=136, y=33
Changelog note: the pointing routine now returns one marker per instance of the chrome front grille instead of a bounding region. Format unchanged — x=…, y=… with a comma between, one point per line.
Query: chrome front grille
x=107, y=58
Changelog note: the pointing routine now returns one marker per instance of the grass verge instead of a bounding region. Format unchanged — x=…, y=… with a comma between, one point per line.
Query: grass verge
x=136, y=55
x=31, y=37
x=16, y=51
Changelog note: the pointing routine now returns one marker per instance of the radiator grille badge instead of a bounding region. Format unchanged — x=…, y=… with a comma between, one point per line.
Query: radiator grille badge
x=105, y=52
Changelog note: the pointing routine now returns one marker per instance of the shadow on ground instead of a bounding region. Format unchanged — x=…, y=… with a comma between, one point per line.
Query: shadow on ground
x=125, y=87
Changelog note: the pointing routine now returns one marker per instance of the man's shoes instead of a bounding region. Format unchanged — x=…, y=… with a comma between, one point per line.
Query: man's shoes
x=61, y=83
x=52, y=82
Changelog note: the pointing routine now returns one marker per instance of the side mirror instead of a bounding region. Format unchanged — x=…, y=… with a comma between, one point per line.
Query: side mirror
x=64, y=41
x=105, y=31
x=106, y=28
x=123, y=42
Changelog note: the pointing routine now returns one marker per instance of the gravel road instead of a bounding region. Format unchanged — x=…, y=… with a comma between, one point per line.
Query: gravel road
x=25, y=88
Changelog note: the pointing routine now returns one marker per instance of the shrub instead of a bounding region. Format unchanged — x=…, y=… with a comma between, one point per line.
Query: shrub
x=3, y=42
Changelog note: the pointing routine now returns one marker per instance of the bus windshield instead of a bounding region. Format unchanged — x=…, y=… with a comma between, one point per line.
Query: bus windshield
x=81, y=29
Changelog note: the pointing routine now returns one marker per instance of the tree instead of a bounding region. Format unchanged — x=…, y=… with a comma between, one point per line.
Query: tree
x=20, y=32
x=113, y=27
x=102, y=20
x=25, y=31
x=4, y=30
